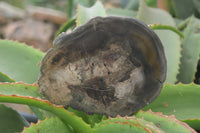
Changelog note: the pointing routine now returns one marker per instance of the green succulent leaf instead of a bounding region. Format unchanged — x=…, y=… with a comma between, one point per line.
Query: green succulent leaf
x=181, y=100
x=182, y=24
x=84, y=14
x=193, y=123
x=143, y=122
x=126, y=124
x=190, y=52
x=151, y=3
x=89, y=119
x=165, y=27
x=183, y=8
x=19, y=61
x=11, y=121
x=69, y=9
x=119, y=128
x=5, y=78
x=169, y=124
x=197, y=5
x=121, y=12
x=20, y=89
x=87, y=3
x=67, y=117
x=131, y=4
x=170, y=40
x=51, y=125
x=66, y=26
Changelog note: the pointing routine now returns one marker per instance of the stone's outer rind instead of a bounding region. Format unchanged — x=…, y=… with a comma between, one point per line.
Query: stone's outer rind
x=112, y=66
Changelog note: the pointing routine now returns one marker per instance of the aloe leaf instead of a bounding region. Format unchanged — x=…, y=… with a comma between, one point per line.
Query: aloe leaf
x=193, y=123
x=119, y=128
x=20, y=89
x=51, y=125
x=87, y=3
x=84, y=14
x=166, y=27
x=41, y=115
x=66, y=26
x=182, y=24
x=89, y=119
x=170, y=40
x=19, y=61
x=197, y=5
x=169, y=124
x=131, y=4
x=121, y=12
x=126, y=124
x=183, y=8
x=10, y=120
x=181, y=100
x=67, y=117
x=190, y=52
x=151, y=3
x=5, y=78
x=70, y=4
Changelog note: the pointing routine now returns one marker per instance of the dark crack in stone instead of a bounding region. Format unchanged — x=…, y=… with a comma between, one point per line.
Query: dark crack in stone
x=112, y=66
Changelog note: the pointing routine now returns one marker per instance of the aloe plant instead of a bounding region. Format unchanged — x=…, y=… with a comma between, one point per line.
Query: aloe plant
x=175, y=110
x=19, y=62
x=68, y=122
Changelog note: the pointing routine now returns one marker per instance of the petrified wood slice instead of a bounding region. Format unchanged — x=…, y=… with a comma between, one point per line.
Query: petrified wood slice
x=112, y=66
